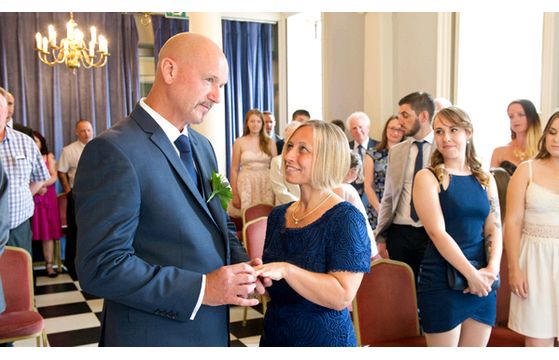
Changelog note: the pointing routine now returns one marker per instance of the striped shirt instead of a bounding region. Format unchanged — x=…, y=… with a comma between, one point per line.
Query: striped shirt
x=23, y=165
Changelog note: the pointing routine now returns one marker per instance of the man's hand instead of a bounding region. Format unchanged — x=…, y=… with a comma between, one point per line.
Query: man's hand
x=261, y=282
x=230, y=285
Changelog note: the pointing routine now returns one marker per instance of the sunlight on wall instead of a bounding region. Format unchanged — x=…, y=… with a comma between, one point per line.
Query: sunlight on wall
x=304, y=59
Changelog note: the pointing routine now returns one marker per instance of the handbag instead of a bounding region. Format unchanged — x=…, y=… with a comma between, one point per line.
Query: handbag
x=457, y=281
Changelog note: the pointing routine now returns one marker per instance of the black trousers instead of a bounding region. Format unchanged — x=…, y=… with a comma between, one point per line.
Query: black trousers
x=407, y=243
x=71, y=237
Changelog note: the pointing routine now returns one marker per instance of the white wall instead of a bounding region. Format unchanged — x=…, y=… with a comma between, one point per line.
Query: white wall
x=343, y=59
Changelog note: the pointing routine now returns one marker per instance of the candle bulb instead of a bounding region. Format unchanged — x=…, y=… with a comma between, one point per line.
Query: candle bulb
x=91, y=48
x=39, y=39
x=69, y=30
x=93, y=34
x=45, y=44
x=52, y=34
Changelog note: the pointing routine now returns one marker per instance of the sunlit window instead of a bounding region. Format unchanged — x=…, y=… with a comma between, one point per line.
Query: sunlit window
x=499, y=60
x=304, y=64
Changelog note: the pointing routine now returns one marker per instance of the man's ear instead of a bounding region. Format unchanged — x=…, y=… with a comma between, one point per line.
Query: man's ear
x=168, y=69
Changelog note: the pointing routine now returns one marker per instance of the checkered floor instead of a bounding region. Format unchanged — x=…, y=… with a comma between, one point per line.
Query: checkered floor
x=72, y=317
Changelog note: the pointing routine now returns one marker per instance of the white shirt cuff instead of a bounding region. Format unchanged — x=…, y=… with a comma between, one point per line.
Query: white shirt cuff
x=200, y=298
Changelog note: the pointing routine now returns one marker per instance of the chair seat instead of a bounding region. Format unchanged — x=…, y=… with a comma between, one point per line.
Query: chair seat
x=505, y=337
x=414, y=341
x=20, y=323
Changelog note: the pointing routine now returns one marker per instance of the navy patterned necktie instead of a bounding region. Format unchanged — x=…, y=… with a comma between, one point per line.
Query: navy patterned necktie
x=418, y=166
x=185, y=149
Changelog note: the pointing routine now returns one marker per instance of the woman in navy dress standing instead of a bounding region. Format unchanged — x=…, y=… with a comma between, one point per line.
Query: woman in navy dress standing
x=317, y=248
x=458, y=204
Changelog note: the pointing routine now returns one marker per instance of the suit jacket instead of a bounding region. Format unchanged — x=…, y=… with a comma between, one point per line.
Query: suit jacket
x=359, y=185
x=4, y=225
x=279, y=142
x=393, y=185
x=146, y=235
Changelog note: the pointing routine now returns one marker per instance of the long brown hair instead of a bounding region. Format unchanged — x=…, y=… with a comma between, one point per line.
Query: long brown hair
x=542, y=143
x=457, y=117
x=264, y=139
x=383, y=144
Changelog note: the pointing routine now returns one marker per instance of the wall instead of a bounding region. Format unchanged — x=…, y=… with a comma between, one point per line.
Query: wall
x=343, y=61
x=371, y=60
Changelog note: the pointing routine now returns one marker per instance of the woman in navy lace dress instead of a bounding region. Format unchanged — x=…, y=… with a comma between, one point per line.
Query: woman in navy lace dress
x=457, y=203
x=316, y=249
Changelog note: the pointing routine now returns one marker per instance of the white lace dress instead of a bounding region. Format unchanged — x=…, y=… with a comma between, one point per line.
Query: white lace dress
x=538, y=315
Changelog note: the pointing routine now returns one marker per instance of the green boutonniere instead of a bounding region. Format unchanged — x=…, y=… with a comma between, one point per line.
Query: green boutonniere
x=221, y=188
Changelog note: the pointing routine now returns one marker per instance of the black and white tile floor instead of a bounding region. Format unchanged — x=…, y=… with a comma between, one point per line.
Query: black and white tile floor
x=72, y=317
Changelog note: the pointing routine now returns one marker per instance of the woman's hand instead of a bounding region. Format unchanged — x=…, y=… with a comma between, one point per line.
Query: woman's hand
x=518, y=283
x=480, y=282
x=42, y=190
x=236, y=202
x=275, y=271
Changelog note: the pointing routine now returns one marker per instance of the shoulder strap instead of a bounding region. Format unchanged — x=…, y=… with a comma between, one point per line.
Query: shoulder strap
x=530, y=171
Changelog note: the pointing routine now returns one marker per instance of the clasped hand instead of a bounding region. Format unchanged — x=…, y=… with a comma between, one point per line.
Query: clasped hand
x=233, y=284
x=480, y=284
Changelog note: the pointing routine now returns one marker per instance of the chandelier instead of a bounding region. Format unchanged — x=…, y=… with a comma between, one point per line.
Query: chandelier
x=72, y=50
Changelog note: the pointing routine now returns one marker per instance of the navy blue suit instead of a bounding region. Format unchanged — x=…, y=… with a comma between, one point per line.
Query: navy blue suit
x=147, y=235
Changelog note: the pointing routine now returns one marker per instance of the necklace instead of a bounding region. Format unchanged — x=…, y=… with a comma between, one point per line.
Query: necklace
x=310, y=212
x=520, y=155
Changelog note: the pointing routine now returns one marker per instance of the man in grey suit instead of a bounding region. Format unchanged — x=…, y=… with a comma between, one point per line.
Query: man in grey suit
x=399, y=233
x=166, y=261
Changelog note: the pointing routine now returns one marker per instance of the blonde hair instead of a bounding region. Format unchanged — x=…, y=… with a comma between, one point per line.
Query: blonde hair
x=458, y=117
x=330, y=156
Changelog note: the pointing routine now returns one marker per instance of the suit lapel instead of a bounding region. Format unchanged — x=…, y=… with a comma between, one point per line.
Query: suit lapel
x=160, y=139
x=205, y=171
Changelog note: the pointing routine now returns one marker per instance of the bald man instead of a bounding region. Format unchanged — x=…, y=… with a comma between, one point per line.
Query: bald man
x=166, y=261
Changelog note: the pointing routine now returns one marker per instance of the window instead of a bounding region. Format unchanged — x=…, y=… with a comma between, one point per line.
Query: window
x=304, y=59
x=499, y=60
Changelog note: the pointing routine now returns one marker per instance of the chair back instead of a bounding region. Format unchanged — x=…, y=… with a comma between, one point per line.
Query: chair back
x=503, y=294
x=254, y=235
x=17, y=279
x=385, y=307
x=502, y=178
x=256, y=211
x=62, y=204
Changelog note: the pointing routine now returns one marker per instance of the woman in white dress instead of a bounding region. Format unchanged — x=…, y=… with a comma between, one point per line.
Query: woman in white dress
x=532, y=242
x=250, y=166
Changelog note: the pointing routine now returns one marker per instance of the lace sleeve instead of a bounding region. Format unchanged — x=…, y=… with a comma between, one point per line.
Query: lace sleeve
x=349, y=248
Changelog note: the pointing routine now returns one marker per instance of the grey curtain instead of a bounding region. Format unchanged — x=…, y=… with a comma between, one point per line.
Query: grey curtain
x=52, y=99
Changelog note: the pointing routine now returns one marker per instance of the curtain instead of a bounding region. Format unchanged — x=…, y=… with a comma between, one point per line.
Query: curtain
x=52, y=99
x=248, y=47
x=163, y=29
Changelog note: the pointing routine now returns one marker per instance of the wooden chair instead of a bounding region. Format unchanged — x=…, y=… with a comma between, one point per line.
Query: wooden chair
x=501, y=335
x=385, y=307
x=239, y=225
x=256, y=211
x=254, y=235
x=20, y=320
